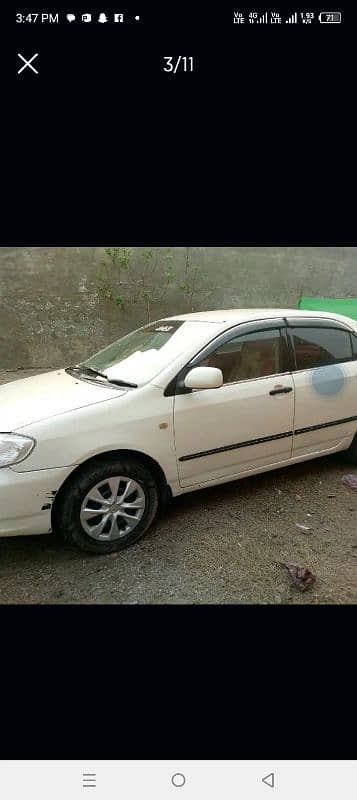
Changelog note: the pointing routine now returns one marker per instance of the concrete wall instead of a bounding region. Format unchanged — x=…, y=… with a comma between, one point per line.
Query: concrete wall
x=52, y=314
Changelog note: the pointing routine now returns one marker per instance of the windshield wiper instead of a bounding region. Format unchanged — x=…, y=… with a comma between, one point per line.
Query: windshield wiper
x=95, y=372
x=91, y=371
x=87, y=371
x=122, y=383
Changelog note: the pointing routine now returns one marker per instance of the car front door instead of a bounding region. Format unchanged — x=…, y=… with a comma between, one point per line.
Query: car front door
x=325, y=380
x=246, y=424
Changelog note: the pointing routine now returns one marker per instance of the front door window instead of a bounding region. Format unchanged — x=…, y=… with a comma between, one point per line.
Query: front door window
x=249, y=356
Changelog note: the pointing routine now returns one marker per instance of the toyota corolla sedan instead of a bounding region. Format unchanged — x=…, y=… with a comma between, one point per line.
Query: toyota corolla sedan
x=93, y=450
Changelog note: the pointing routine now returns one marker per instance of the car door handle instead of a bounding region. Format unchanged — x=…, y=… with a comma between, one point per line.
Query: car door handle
x=282, y=390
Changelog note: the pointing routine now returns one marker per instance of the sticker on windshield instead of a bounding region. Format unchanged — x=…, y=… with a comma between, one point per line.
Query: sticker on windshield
x=164, y=329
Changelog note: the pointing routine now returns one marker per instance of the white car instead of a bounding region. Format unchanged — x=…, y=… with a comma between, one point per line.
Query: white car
x=92, y=451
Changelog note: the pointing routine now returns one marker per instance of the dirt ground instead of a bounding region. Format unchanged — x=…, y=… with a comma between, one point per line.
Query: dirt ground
x=219, y=545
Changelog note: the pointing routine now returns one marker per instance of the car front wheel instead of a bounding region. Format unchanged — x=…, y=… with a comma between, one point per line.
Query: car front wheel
x=107, y=505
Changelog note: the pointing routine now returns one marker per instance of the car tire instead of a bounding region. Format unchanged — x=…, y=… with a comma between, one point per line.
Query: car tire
x=74, y=517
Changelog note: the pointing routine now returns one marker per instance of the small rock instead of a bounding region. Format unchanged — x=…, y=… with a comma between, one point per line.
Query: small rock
x=350, y=481
x=303, y=528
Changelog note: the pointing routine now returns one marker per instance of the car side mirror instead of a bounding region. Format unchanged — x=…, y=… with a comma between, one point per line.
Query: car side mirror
x=204, y=378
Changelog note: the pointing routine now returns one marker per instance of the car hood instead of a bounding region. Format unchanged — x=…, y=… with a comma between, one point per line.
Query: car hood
x=29, y=400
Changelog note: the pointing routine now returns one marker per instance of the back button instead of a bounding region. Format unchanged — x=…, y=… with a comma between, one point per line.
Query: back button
x=269, y=780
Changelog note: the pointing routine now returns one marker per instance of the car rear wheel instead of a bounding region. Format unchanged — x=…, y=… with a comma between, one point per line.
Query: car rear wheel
x=107, y=506
x=350, y=455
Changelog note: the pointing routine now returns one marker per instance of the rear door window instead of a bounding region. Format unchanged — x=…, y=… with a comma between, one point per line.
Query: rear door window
x=354, y=345
x=319, y=347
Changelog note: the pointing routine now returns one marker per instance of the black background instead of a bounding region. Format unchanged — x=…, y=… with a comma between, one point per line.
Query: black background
x=256, y=147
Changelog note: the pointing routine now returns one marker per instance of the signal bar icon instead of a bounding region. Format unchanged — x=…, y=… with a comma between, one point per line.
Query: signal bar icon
x=292, y=19
x=89, y=780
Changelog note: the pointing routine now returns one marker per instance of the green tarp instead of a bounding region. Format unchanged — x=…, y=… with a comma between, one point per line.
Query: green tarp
x=343, y=305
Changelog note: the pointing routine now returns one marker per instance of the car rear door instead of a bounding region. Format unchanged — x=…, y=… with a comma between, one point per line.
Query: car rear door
x=325, y=380
x=246, y=424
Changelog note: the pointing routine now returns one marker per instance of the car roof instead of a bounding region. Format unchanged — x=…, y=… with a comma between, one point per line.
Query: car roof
x=232, y=315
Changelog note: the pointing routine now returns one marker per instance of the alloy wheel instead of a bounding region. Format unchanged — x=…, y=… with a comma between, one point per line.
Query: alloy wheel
x=112, y=508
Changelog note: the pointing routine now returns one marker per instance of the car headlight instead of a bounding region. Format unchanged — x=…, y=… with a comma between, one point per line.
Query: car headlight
x=14, y=448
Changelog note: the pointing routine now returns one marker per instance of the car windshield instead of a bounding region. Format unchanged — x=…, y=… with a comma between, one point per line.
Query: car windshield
x=143, y=353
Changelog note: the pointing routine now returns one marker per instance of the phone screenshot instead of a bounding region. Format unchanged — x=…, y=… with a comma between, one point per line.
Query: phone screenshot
x=178, y=401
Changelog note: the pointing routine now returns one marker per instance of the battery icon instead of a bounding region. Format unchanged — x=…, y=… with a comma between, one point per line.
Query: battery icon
x=330, y=16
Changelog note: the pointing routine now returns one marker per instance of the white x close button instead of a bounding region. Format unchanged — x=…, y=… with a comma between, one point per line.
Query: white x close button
x=27, y=63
